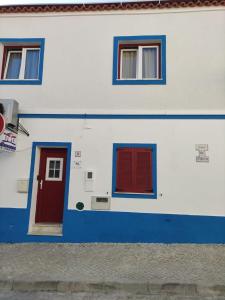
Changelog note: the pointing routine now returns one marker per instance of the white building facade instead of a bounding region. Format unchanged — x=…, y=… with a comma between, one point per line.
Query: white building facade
x=125, y=109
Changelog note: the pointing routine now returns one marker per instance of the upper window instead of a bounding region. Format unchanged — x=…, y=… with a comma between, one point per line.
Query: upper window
x=22, y=61
x=134, y=170
x=139, y=60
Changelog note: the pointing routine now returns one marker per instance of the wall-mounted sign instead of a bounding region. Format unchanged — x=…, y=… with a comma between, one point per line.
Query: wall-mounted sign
x=77, y=153
x=77, y=164
x=8, y=141
x=202, y=155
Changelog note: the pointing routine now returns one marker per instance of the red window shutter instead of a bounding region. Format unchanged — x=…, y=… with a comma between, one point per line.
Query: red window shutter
x=124, y=171
x=143, y=171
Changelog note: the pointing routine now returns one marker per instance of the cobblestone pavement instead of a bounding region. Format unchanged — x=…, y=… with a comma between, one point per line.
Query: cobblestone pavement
x=86, y=296
x=124, y=263
x=112, y=271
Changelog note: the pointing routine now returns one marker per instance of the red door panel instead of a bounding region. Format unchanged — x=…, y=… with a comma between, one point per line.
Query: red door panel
x=51, y=185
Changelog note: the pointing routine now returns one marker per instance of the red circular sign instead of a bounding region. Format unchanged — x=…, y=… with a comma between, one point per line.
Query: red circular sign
x=2, y=124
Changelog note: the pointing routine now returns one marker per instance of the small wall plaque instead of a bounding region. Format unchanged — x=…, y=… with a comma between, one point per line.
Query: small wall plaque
x=202, y=155
x=77, y=153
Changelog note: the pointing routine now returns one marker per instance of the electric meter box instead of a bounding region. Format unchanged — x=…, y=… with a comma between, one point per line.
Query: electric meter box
x=89, y=175
x=89, y=179
x=22, y=185
x=100, y=203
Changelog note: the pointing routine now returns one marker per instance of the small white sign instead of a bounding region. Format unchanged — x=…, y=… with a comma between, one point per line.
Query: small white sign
x=77, y=153
x=77, y=164
x=202, y=148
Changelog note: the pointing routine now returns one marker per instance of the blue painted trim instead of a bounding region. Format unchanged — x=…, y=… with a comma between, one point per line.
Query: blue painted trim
x=21, y=82
x=119, y=227
x=39, y=41
x=67, y=180
x=122, y=116
x=139, y=82
x=30, y=187
x=66, y=193
x=118, y=39
x=153, y=147
x=19, y=40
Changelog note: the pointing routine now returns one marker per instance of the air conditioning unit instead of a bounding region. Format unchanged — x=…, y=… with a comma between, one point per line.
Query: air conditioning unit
x=10, y=112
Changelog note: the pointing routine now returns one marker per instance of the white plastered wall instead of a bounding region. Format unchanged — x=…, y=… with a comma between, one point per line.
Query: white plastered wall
x=184, y=186
x=77, y=77
x=78, y=60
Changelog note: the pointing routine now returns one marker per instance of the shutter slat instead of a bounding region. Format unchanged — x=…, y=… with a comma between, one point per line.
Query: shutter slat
x=124, y=170
x=143, y=166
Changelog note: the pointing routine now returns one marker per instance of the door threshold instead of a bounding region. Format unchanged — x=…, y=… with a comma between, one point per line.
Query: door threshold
x=46, y=229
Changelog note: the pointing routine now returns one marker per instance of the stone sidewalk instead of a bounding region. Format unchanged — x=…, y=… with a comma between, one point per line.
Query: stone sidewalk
x=96, y=296
x=141, y=269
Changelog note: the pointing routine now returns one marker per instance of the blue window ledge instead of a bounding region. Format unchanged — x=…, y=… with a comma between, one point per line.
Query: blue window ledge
x=152, y=195
x=119, y=40
x=25, y=42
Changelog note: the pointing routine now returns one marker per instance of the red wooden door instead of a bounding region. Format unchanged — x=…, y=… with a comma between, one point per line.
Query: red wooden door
x=51, y=185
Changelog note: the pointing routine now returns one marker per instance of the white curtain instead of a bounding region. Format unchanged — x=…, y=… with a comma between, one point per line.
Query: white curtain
x=129, y=64
x=149, y=63
x=32, y=64
x=13, y=70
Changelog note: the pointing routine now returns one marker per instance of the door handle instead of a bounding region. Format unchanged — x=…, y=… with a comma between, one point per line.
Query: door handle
x=41, y=184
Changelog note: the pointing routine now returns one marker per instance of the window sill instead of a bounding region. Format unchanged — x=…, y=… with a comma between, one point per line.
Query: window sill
x=139, y=81
x=21, y=82
x=134, y=195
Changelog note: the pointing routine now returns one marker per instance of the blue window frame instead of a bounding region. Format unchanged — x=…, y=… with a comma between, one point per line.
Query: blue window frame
x=130, y=191
x=139, y=60
x=22, y=60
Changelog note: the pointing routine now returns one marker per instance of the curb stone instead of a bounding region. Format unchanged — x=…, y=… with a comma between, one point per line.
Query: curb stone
x=170, y=289
x=179, y=289
x=216, y=290
x=34, y=286
x=5, y=285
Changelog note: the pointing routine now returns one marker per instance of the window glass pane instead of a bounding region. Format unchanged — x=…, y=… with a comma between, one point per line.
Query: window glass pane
x=129, y=64
x=149, y=63
x=56, y=173
x=57, y=165
x=13, y=70
x=32, y=64
x=52, y=164
x=51, y=174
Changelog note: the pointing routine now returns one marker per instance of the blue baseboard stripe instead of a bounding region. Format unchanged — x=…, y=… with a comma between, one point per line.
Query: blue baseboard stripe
x=117, y=227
